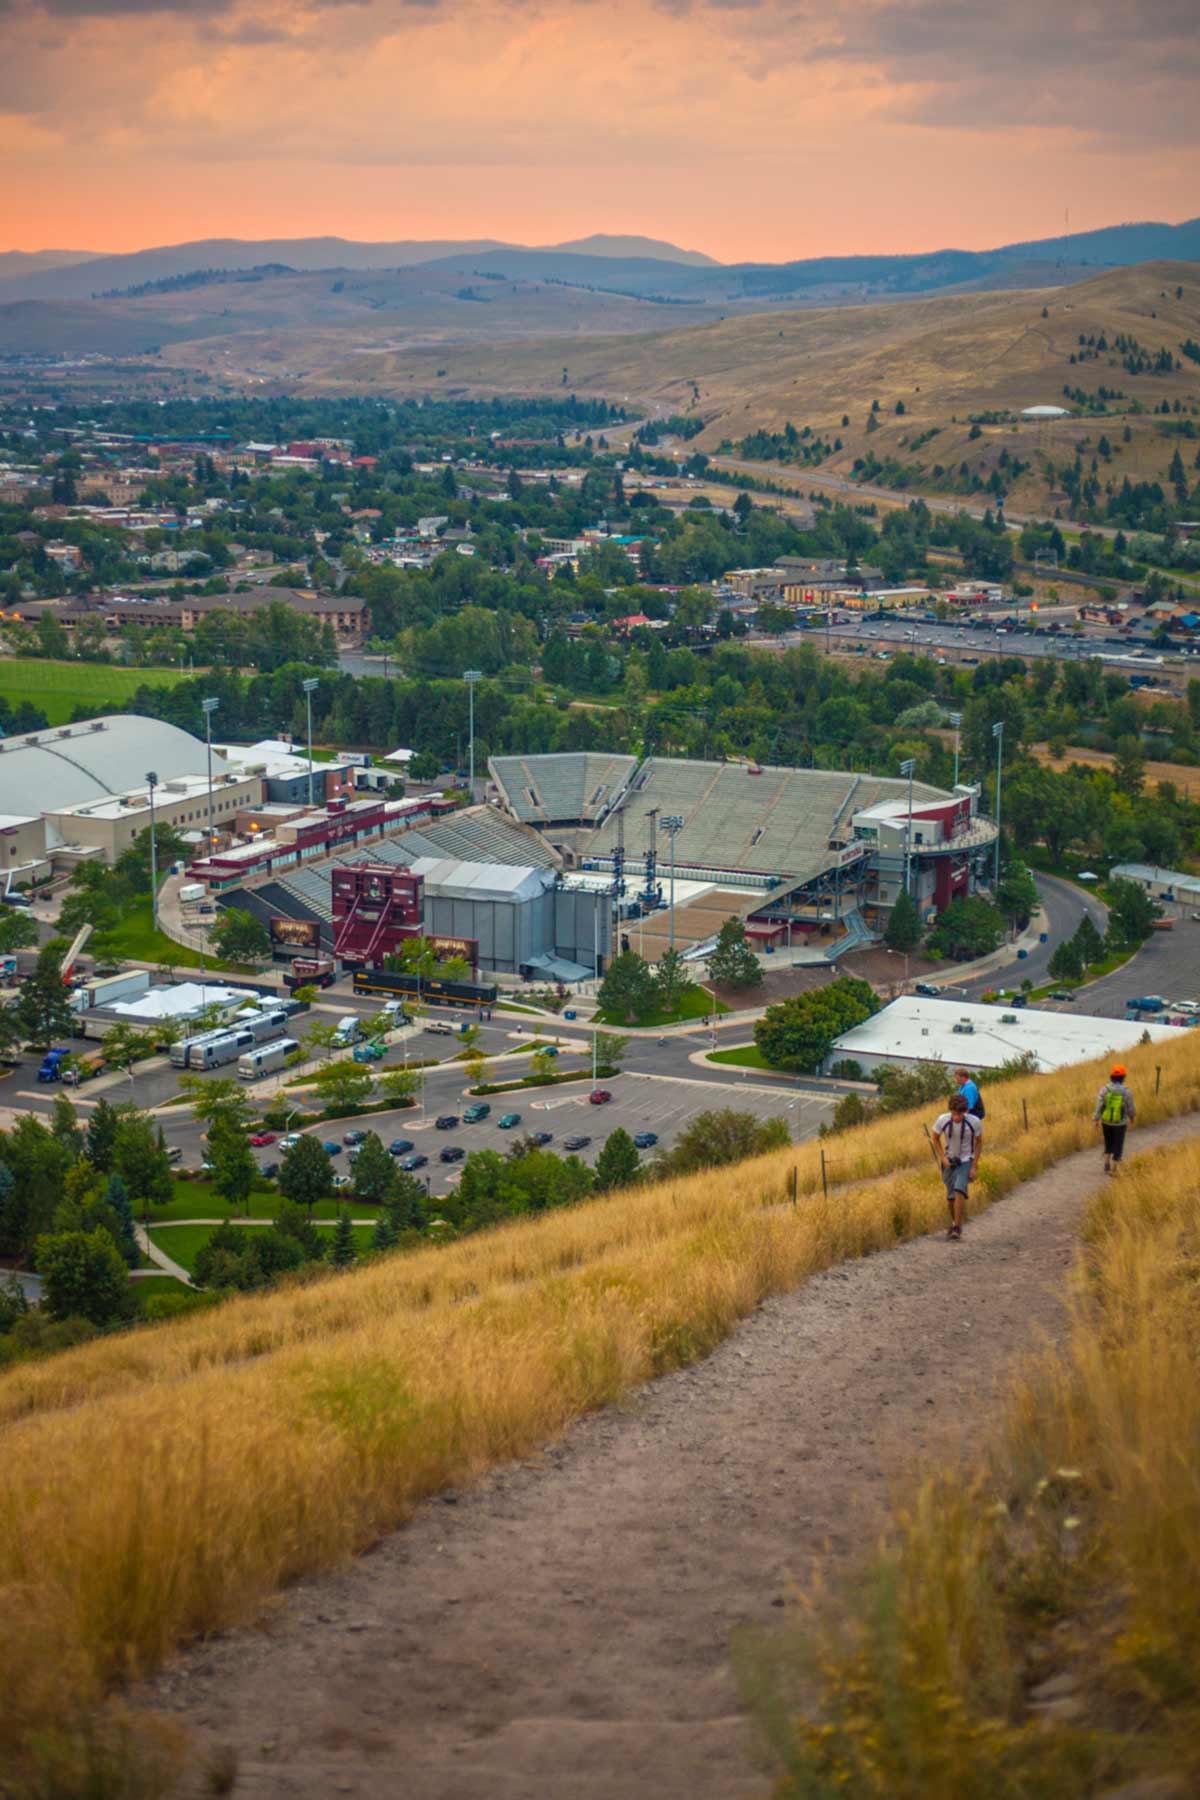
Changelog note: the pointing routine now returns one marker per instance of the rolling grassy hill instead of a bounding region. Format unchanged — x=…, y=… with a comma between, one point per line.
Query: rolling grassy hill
x=942, y=360
x=160, y=1485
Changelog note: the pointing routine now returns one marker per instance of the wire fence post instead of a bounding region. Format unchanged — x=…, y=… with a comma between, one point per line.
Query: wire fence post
x=1157, y=1076
x=1025, y=1111
x=794, y=1184
x=824, y=1177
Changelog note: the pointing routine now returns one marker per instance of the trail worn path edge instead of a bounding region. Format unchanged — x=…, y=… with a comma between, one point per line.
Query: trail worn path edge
x=563, y=1628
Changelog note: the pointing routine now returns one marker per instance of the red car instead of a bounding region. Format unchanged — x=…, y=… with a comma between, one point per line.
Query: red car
x=263, y=1137
x=599, y=1096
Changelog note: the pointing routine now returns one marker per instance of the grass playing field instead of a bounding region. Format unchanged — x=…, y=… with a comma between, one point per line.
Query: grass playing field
x=59, y=687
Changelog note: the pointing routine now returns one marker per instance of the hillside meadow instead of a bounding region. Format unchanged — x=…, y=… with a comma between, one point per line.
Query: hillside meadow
x=1030, y=1626
x=162, y=1484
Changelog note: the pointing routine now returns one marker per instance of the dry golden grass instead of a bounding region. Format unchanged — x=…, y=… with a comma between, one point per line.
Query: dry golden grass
x=1075, y=1553
x=1186, y=779
x=162, y=1484
x=945, y=358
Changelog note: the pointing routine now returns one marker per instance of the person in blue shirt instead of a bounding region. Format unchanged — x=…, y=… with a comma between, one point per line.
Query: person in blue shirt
x=968, y=1087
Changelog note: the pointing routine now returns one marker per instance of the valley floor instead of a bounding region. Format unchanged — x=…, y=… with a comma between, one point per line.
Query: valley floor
x=563, y=1628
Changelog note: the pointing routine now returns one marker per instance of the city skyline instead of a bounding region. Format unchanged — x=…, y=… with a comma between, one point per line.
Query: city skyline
x=749, y=129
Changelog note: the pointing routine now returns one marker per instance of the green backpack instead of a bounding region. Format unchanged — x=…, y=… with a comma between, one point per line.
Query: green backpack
x=1112, y=1112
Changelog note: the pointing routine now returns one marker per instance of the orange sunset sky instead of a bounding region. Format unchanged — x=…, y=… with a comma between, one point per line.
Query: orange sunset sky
x=746, y=128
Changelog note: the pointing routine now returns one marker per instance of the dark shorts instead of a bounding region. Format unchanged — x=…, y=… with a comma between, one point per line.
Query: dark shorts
x=1114, y=1140
x=956, y=1177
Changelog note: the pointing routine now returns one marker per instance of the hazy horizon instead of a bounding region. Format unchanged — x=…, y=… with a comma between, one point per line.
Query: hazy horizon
x=753, y=129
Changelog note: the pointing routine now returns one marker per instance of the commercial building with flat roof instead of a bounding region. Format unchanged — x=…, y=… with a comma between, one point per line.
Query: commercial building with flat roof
x=914, y=1029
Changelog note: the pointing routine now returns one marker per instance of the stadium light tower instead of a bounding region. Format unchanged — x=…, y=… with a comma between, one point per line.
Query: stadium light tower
x=907, y=767
x=956, y=721
x=209, y=707
x=310, y=687
x=998, y=734
x=152, y=783
x=672, y=824
x=471, y=676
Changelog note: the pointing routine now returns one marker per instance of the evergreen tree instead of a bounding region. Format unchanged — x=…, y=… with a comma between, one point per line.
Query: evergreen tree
x=102, y=1135
x=44, y=1009
x=904, y=927
x=733, y=962
x=1088, y=942
x=618, y=1162
x=407, y=1207
x=234, y=1168
x=140, y=1157
x=116, y=1195
x=671, y=980
x=374, y=1172
x=385, y=1235
x=64, y=1123
x=342, y=1255
x=629, y=990
x=1066, y=964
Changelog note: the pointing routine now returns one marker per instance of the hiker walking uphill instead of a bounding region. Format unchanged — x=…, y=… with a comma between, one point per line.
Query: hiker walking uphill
x=1115, y=1113
x=958, y=1139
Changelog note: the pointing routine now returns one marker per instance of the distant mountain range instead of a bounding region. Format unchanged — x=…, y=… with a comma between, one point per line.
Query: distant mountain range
x=637, y=266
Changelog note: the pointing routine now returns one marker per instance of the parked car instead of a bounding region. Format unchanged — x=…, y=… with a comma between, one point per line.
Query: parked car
x=291, y=1140
x=415, y=1161
x=926, y=988
x=1060, y=994
x=353, y=1137
x=175, y=1154
x=270, y=1170
x=508, y=1120
x=599, y=1096
x=331, y=1148
x=262, y=1138
x=541, y=1138
x=400, y=1146
x=473, y=1114
x=645, y=1140
x=452, y=1153
x=447, y=1122
x=341, y=1182
x=578, y=1142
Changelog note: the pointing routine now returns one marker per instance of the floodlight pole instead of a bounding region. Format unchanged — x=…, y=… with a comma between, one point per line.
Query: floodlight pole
x=471, y=676
x=956, y=721
x=209, y=707
x=151, y=782
x=672, y=824
x=998, y=734
x=906, y=768
x=309, y=688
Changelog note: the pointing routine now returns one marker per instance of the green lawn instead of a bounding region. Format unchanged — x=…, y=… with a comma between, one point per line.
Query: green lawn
x=149, y=1285
x=135, y=940
x=697, y=1003
x=749, y=1056
x=59, y=687
x=183, y=1243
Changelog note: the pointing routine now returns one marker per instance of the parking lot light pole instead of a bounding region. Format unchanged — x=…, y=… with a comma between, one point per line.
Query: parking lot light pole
x=310, y=687
x=998, y=734
x=471, y=676
x=151, y=783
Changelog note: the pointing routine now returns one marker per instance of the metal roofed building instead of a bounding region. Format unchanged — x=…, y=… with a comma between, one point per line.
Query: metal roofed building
x=914, y=1029
x=1160, y=884
x=519, y=916
x=97, y=759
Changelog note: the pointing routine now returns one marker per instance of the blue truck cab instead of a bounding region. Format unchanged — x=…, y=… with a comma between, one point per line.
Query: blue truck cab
x=52, y=1065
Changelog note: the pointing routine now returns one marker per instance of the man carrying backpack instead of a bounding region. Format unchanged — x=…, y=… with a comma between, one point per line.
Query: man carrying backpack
x=968, y=1087
x=1114, y=1113
x=958, y=1138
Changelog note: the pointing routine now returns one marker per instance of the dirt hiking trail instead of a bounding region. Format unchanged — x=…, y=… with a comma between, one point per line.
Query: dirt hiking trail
x=563, y=1628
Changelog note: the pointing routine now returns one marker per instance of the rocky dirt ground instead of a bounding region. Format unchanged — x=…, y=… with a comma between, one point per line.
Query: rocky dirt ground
x=563, y=1628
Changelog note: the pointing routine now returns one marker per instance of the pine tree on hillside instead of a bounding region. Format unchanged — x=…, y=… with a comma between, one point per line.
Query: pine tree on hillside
x=342, y=1255
x=904, y=927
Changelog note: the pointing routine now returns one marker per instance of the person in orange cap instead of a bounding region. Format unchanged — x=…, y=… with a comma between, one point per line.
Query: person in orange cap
x=1115, y=1113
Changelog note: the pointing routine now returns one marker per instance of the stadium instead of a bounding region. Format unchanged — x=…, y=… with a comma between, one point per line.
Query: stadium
x=576, y=855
